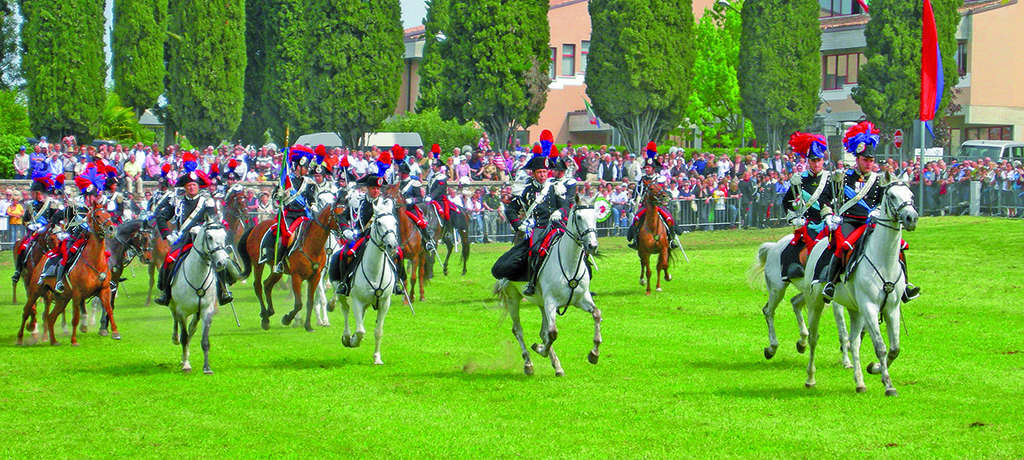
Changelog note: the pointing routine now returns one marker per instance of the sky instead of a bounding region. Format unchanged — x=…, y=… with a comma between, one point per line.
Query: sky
x=413, y=12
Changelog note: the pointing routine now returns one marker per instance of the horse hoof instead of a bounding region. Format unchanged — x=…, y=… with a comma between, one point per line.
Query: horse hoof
x=286, y=320
x=658, y=289
x=668, y=277
x=801, y=347
x=310, y=328
x=592, y=357
x=874, y=369
x=891, y=392
x=861, y=389
x=54, y=344
x=643, y=281
x=207, y=372
x=536, y=349
x=186, y=370
x=847, y=365
x=528, y=369
x=265, y=324
x=346, y=341
x=75, y=344
x=84, y=329
x=809, y=386
x=103, y=333
x=559, y=373
x=116, y=336
x=378, y=362
x=769, y=353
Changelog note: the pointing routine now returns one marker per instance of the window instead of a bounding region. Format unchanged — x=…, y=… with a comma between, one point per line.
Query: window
x=551, y=68
x=991, y=133
x=961, y=58
x=829, y=8
x=584, y=51
x=840, y=69
x=568, y=60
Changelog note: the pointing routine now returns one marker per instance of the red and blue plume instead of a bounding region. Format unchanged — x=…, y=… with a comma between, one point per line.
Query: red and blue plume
x=298, y=152
x=383, y=163
x=320, y=153
x=91, y=177
x=399, y=154
x=43, y=177
x=166, y=168
x=435, y=150
x=652, y=149
x=860, y=136
x=214, y=170
x=553, y=155
x=809, y=145
x=188, y=161
x=546, y=141
x=58, y=183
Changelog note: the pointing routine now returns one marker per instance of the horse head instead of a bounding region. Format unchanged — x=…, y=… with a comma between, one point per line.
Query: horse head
x=385, y=224
x=583, y=222
x=337, y=209
x=898, y=202
x=211, y=243
x=101, y=223
x=656, y=195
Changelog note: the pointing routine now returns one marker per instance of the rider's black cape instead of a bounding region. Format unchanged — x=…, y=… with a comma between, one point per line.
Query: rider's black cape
x=513, y=264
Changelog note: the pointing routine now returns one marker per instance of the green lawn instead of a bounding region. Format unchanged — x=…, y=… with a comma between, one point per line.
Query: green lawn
x=681, y=375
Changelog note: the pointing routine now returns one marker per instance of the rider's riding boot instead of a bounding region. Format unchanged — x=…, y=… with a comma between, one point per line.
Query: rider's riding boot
x=224, y=296
x=58, y=287
x=531, y=286
x=631, y=239
x=832, y=275
x=399, y=277
x=16, y=276
x=911, y=292
x=165, y=288
x=342, y=287
x=428, y=242
x=672, y=243
x=279, y=267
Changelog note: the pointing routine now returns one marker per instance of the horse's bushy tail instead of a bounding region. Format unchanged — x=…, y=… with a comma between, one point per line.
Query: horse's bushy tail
x=243, y=252
x=755, y=273
x=504, y=296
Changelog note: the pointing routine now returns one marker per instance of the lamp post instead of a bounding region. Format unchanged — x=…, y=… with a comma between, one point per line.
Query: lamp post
x=726, y=4
x=743, y=120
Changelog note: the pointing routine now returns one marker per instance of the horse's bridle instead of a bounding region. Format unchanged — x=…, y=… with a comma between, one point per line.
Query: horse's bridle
x=376, y=237
x=207, y=256
x=578, y=237
x=893, y=210
x=101, y=228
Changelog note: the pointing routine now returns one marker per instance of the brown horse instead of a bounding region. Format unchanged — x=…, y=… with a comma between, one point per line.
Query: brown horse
x=653, y=238
x=444, y=232
x=159, y=247
x=236, y=213
x=44, y=242
x=89, y=277
x=412, y=245
x=305, y=263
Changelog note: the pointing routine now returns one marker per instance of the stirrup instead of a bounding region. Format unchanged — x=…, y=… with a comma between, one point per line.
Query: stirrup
x=16, y=276
x=430, y=246
x=58, y=287
x=633, y=244
x=164, y=300
x=910, y=293
x=829, y=291
x=673, y=244
x=278, y=268
x=341, y=288
x=529, y=289
x=398, y=289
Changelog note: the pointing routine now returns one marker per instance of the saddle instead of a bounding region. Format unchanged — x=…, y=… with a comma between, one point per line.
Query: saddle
x=267, y=243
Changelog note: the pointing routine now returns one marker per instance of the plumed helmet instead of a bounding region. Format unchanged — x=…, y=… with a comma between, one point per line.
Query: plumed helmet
x=198, y=177
x=555, y=160
x=383, y=162
x=652, y=155
x=300, y=155
x=861, y=139
x=809, y=145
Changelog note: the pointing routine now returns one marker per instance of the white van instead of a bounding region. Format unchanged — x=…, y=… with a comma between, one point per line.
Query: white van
x=996, y=150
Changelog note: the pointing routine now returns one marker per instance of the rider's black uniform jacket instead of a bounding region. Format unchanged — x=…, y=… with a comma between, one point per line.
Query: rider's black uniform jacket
x=411, y=192
x=808, y=182
x=550, y=202
x=438, y=185
x=857, y=214
x=190, y=212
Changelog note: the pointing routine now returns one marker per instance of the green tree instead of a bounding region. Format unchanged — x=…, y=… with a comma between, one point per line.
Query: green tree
x=714, y=103
x=13, y=114
x=286, y=43
x=889, y=84
x=8, y=45
x=119, y=123
x=496, y=62
x=433, y=130
x=64, y=66
x=355, y=59
x=206, y=68
x=640, y=64
x=432, y=66
x=780, y=66
x=137, y=42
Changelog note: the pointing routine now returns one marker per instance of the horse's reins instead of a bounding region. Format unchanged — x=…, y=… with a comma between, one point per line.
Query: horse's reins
x=574, y=282
x=888, y=286
x=379, y=244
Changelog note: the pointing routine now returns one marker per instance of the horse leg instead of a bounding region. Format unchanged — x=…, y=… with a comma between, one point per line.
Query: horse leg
x=76, y=317
x=51, y=318
x=798, y=304
x=647, y=271
x=421, y=272
x=106, y=299
x=174, y=336
x=588, y=306
x=448, y=244
x=64, y=323
x=856, y=327
x=296, y=301
x=257, y=287
x=892, y=324
x=844, y=337
x=662, y=266
x=186, y=367
x=207, y=320
x=346, y=334
x=29, y=311
x=151, y=268
x=550, y=310
x=268, y=298
x=870, y=312
x=320, y=304
x=541, y=348
x=465, y=249
x=814, y=309
x=311, y=290
x=358, y=310
x=774, y=297
x=511, y=299
x=378, y=332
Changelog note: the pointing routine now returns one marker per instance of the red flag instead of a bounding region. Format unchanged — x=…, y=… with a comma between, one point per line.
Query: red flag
x=931, y=65
x=863, y=4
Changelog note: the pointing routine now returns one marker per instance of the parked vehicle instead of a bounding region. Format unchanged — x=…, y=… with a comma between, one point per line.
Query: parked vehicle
x=996, y=150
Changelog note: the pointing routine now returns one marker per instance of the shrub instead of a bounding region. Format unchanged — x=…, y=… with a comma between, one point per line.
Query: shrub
x=433, y=130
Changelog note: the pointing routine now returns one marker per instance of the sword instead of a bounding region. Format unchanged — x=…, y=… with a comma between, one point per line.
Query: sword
x=676, y=238
x=235, y=313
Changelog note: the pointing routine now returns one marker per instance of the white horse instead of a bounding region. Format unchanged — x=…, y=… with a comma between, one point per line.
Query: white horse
x=321, y=299
x=194, y=288
x=374, y=278
x=563, y=280
x=769, y=261
x=875, y=287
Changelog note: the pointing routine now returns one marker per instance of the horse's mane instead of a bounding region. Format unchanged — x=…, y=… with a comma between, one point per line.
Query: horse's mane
x=127, y=229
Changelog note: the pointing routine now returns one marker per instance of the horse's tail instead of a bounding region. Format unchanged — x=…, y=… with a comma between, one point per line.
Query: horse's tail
x=755, y=273
x=505, y=299
x=243, y=252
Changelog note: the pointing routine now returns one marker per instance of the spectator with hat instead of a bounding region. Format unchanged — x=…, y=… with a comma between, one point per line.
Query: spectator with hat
x=21, y=164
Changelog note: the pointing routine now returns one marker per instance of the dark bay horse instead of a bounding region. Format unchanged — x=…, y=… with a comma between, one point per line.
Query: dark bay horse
x=89, y=277
x=159, y=247
x=130, y=240
x=304, y=263
x=653, y=238
x=444, y=231
x=35, y=252
x=236, y=213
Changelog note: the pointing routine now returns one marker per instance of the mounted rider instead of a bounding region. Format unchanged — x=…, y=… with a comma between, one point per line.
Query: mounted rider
x=437, y=189
x=321, y=172
x=860, y=194
x=808, y=199
x=295, y=194
x=412, y=191
x=190, y=211
x=90, y=185
x=566, y=182
x=649, y=178
x=162, y=197
x=357, y=232
x=539, y=201
x=42, y=211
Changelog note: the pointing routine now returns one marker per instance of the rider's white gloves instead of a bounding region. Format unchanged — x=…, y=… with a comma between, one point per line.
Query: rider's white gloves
x=524, y=228
x=798, y=221
x=348, y=234
x=427, y=199
x=874, y=214
x=557, y=215
x=833, y=221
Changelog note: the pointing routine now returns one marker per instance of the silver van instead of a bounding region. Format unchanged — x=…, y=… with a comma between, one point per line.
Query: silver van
x=996, y=150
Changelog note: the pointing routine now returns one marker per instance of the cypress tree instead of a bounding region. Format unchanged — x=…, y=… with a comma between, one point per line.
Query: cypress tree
x=640, y=64
x=64, y=66
x=8, y=45
x=137, y=42
x=206, y=68
x=286, y=45
x=432, y=67
x=257, y=31
x=779, y=66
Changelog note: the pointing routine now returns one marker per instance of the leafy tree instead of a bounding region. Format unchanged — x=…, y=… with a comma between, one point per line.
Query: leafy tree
x=206, y=68
x=432, y=66
x=496, y=62
x=640, y=64
x=8, y=45
x=354, y=71
x=889, y=84
x=432, y=129
x=64, y=66
x=780, y=66
x=137, y=42
x=13, y=114
x=284, y=37
x=714, y=104
x=119, y=123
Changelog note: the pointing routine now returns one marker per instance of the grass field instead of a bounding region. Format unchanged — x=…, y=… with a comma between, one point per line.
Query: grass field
x=682, y=373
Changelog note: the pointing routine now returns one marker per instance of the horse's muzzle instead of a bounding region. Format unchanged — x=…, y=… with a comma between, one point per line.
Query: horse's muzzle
x=910, y=220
